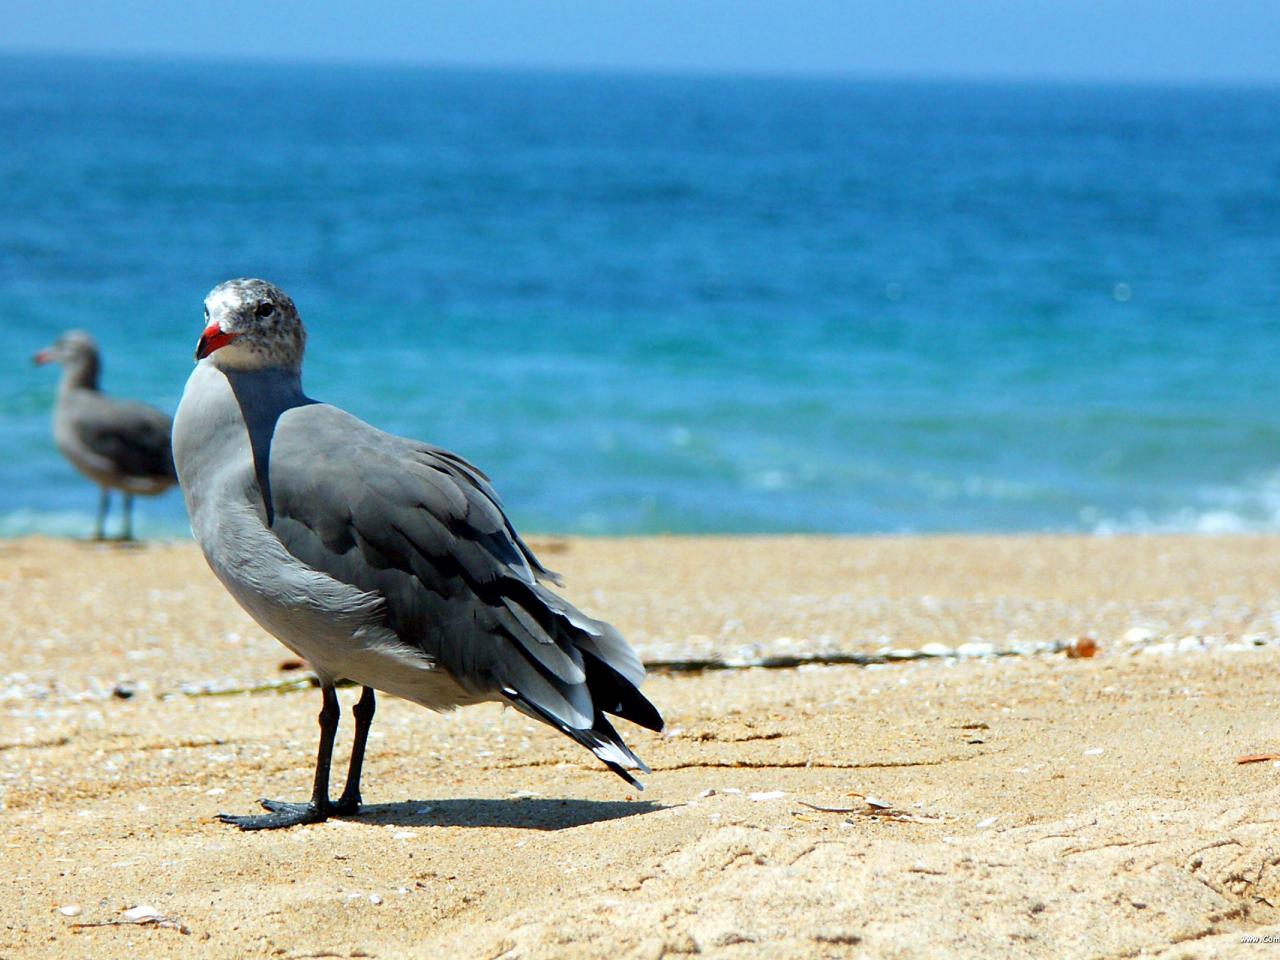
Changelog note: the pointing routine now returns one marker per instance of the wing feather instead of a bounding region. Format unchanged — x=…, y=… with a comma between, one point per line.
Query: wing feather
x=132, y=436
x=424, y=529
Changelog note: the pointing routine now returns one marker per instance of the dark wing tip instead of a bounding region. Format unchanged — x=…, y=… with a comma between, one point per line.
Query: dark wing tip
x=620, y=771
x=601, y=739
x=615, y=694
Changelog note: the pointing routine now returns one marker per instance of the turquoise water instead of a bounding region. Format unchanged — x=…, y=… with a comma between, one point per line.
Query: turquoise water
x=670, y=304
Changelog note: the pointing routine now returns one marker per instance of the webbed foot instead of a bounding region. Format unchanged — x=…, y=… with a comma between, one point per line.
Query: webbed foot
x=282, y=815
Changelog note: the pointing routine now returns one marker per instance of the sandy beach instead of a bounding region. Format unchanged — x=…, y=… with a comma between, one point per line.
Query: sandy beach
x=1025, y=805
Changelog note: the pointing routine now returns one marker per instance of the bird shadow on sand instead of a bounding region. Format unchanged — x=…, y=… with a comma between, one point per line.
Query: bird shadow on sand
x=525, y=813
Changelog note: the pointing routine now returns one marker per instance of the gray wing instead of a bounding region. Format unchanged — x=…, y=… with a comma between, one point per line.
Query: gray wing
x=424, y=529
x=132, y=436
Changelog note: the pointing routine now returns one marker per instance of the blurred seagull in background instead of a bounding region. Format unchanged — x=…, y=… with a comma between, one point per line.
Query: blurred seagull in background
x=118, y=444
x=379, y=559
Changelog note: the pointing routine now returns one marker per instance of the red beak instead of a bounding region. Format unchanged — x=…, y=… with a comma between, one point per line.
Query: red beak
x=213, y=338
x=41, y=358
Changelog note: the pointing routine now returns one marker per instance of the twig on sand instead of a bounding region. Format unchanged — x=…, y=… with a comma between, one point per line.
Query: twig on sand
x=1258, y=757
x=814, y=806
x=834, y=658
x=149, y=920
x=209, y=689
x=679, y=665
x=876, y=809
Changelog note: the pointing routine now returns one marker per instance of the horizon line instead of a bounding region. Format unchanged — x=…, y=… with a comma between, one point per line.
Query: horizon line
x=1012, y=78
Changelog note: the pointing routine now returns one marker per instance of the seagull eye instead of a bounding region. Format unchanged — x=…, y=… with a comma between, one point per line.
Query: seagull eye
x=265, y=309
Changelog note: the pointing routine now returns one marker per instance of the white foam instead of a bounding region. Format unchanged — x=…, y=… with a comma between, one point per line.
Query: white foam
x=78, y=524
x=1253, y=506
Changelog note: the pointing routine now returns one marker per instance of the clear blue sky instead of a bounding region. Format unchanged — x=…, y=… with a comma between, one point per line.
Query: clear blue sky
x=1169, y=40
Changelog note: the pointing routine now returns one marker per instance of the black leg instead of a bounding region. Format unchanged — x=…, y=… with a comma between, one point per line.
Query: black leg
x=99, y=528
x=291, y=814
x=128, y=517
x=349, y=802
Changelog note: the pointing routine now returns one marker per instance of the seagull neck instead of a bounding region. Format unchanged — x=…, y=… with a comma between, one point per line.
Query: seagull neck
x=263, y=396
x=268, y=391
x=80, y=373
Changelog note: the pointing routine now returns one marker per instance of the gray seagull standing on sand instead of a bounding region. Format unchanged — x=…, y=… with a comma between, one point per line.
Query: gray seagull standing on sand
x=118, y=444
x=379, y=559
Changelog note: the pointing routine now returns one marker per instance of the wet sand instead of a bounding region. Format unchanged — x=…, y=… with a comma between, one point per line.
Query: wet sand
x=1030, y=805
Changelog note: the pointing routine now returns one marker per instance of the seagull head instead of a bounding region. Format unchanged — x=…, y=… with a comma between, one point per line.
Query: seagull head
x=250, y=325
x=74, y=346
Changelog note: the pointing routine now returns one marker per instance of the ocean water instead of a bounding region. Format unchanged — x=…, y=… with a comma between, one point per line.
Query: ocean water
x=674, y=304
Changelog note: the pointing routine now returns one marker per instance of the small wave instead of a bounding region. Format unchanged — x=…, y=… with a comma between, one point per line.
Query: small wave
x=975, y=487
x=1251, y=507
x=69, y=523
x=77, y=524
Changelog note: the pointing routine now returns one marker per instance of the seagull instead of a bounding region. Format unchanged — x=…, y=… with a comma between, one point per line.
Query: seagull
x=381, y=560
x=118, y=444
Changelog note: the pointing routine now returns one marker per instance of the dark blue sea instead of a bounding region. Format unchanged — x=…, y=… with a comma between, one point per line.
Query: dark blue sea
x=647, y=303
